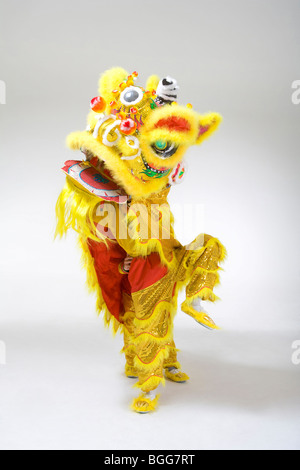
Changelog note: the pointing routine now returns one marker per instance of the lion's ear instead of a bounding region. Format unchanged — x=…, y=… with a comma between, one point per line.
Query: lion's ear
x=152, y=82
x=207, y=124
x=109, y=81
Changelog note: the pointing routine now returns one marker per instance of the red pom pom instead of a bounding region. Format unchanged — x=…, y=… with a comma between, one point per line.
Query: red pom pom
x=128, y=126
x=98, y=104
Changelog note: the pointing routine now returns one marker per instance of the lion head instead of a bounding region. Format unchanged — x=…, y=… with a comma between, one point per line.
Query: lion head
x=140, y=135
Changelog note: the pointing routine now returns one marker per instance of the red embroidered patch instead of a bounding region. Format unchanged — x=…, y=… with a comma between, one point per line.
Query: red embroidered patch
x=174, y=123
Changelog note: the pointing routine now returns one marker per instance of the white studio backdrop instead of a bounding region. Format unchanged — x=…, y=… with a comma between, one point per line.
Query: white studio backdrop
x=239, y=58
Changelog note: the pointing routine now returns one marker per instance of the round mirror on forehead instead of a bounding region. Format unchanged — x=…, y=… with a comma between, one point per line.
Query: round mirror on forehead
x=131, y=95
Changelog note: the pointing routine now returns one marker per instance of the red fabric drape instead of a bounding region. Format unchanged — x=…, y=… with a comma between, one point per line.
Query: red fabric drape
x=143, y=273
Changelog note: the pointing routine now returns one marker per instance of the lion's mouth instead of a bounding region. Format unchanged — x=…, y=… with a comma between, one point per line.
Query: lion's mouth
x=153, y=172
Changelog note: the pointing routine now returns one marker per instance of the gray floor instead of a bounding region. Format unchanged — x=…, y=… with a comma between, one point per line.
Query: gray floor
x=63, y=387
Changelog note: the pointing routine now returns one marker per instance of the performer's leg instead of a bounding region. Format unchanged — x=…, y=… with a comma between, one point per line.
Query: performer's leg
x=201, y=266
x=129, y=348
x=172, y=360
x=152, y=345
x=172, y=366
x=152, y=289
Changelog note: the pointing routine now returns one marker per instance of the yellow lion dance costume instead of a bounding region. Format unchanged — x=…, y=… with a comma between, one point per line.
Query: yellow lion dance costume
x=116, y=199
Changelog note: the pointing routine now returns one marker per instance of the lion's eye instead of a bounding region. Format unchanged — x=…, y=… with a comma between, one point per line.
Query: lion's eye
x=160, y=144
x=164, y=149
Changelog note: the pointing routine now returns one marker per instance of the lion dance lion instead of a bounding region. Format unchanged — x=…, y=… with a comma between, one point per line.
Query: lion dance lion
x=116, y=199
